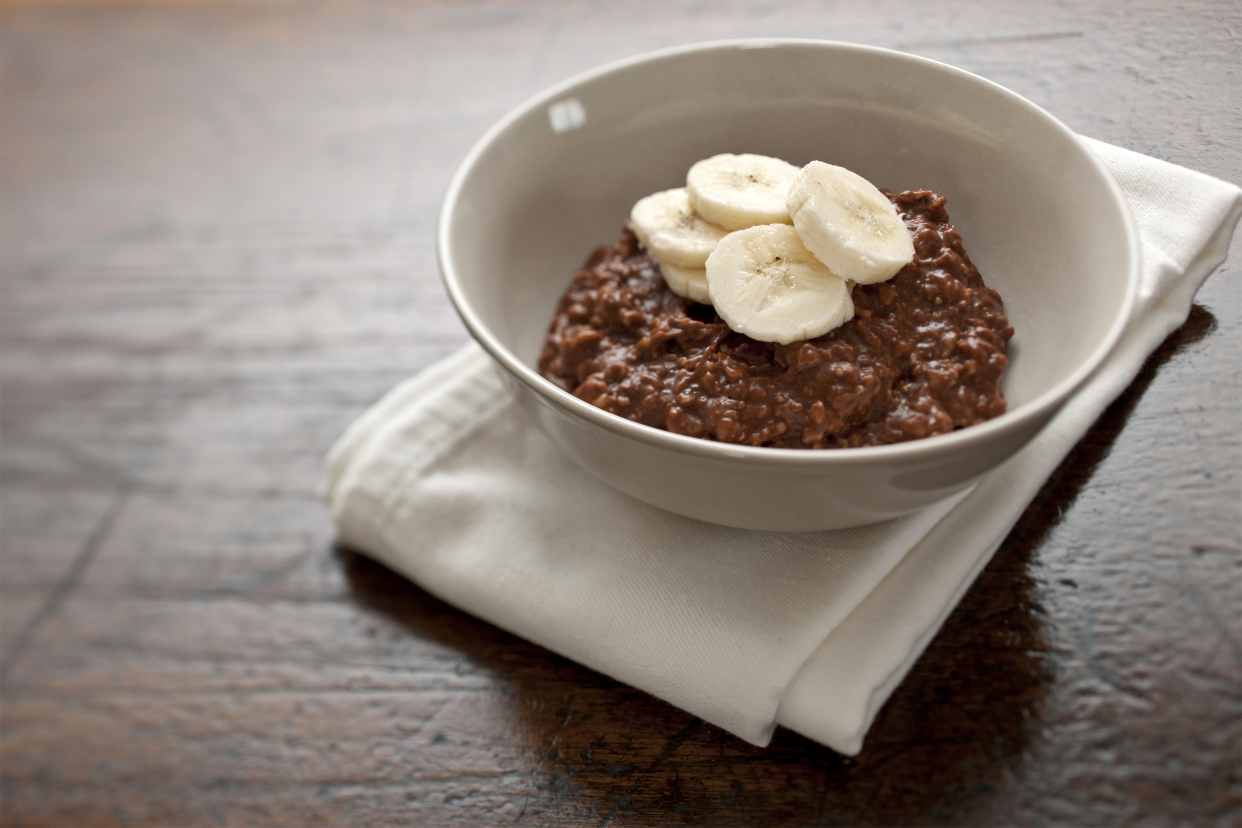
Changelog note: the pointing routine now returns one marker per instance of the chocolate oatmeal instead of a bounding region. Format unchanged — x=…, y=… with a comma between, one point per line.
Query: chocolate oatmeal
x=922, y=356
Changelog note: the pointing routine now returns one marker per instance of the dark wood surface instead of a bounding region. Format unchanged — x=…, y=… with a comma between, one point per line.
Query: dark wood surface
x=216, y=236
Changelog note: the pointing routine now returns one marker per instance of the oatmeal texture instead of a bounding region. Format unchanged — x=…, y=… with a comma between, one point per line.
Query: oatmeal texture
x=922, y=356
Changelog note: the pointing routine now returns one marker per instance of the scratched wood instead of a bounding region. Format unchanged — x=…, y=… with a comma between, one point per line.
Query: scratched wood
x=216, y=248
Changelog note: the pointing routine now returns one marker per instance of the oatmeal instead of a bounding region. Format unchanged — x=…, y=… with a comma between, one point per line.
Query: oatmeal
x=922, y=355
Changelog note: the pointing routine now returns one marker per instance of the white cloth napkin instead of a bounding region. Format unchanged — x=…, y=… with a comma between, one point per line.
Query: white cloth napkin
x=446, y=482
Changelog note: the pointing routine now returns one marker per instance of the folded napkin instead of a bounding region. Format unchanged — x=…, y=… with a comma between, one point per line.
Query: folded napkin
x=446, y=482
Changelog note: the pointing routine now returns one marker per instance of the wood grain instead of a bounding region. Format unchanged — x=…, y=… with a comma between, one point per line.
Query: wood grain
x=216, y=249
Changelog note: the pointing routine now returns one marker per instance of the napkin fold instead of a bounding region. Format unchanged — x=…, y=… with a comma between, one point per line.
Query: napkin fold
x=447, y=482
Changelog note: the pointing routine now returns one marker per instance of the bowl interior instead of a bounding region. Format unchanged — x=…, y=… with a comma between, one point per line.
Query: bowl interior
x=1038, y=215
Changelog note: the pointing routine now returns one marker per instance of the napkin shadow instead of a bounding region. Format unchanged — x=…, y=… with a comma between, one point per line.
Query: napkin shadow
x=944, y=749
x=1061, y=489
x=594, y=747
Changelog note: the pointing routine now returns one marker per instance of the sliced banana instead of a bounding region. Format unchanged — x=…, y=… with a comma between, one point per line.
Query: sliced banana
x=849, y=224
x=740, y=191
x=667, y=225
x=687, y=282
x=767, y=285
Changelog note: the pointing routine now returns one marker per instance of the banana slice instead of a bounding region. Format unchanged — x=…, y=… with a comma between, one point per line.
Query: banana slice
x=740, y=191
x=767, y=285
x=687, y=282
x=849, y=224
x=667, y=225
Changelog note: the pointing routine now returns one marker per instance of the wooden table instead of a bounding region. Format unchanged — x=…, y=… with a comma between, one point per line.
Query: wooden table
x=217, y=249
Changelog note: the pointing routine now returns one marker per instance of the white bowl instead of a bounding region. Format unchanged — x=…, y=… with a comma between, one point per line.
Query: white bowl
x=1040, y=216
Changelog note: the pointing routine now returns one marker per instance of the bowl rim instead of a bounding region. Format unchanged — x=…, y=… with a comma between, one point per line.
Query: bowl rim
x=927, y=448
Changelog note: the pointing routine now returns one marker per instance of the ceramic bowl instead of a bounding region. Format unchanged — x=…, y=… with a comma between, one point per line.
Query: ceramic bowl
x=1040, y=216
